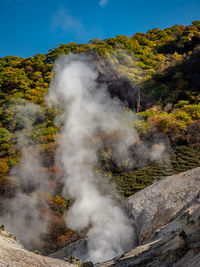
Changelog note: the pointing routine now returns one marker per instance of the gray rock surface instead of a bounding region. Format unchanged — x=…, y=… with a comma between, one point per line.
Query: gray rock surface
x=12, y=254
x=75, y=249
x=177, y=244
x=167, y=218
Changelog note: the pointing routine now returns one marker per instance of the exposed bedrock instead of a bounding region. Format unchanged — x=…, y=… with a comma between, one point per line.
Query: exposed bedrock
x=176, y=244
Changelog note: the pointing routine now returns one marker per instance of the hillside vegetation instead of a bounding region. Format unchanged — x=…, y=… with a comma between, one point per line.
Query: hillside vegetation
x=165, y=67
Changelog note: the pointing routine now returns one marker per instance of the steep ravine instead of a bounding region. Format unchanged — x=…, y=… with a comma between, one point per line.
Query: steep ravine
x=166, y=216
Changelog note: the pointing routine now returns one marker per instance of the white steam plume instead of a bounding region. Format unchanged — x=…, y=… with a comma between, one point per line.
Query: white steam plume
x=88, y=110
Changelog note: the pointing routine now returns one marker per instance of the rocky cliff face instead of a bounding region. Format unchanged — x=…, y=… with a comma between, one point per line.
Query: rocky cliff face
x=166, y=216
x=118, y=84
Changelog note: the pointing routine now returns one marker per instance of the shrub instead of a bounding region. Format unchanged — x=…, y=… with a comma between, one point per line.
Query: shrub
x=193, y=133
x=5, y=146
x=58, y=205
x=168, y=124
x=182, y=115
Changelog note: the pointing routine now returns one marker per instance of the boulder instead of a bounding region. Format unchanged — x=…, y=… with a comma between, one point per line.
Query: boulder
x=75, y=249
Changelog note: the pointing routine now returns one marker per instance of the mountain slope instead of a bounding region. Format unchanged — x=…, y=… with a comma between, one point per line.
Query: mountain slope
x=156, y=74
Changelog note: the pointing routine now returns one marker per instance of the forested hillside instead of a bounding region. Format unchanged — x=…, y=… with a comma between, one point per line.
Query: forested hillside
x=156, y=74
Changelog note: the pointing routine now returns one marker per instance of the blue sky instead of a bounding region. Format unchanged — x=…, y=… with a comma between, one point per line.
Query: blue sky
x=35, y=26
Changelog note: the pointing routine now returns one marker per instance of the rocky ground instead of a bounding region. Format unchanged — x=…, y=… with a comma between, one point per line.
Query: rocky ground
x=166, y=217
x=12, y=254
